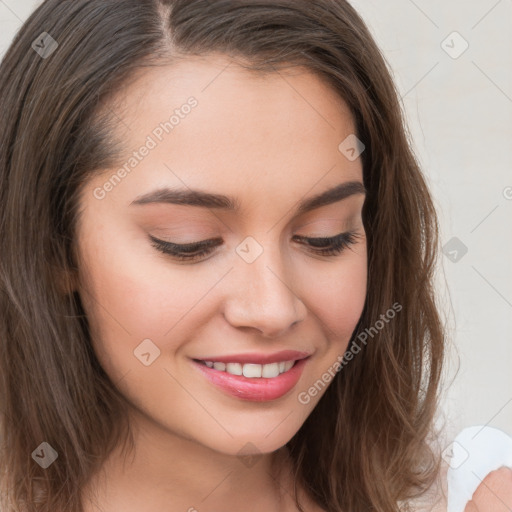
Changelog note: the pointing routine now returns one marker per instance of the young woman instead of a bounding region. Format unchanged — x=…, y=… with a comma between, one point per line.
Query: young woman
x=217, y=264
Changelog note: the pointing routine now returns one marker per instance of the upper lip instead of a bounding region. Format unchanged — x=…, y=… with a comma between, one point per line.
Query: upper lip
x=255, y=358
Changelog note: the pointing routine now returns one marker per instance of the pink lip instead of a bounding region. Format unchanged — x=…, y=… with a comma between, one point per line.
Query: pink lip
x=257, y=389
x=254, y=358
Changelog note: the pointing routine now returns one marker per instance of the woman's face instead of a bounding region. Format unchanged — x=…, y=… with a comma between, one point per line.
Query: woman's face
x=270, y=144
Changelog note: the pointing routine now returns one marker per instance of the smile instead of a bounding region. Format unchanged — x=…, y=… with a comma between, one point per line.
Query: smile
x=250, y=370
x=253, y=381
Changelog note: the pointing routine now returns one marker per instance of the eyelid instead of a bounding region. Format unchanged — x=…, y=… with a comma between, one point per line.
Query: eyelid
x=211, y=241
x=192, y=252
x=188, y=245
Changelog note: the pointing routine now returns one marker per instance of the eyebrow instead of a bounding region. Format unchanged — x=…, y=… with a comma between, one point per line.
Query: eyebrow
x=203, y=199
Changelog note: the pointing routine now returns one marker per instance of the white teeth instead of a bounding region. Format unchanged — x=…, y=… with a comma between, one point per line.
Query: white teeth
x=252, y=371
x=234, y=368
x=270, y=370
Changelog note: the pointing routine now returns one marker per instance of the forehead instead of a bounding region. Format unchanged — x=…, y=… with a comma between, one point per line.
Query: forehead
x=264, y=132
x=217, y=76
x=232, y=100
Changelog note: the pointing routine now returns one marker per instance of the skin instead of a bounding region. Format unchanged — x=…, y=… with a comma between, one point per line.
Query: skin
x=270, y=142
x=494, y=493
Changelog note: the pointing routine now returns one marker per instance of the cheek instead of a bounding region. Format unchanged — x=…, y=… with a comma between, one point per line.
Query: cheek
x=129, y=296
x=338, y=295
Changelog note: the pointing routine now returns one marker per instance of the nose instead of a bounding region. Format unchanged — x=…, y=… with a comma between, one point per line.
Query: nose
x=261, y=296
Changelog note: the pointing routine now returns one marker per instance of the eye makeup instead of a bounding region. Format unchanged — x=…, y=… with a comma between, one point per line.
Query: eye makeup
x=324, y=246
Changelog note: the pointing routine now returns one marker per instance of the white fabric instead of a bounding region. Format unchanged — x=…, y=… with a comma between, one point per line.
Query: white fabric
x=476, y=452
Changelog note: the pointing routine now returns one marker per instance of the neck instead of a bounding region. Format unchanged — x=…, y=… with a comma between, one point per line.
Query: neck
x=170, y=473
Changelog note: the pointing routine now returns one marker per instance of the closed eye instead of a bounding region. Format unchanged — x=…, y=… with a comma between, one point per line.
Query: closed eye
x=330, y=246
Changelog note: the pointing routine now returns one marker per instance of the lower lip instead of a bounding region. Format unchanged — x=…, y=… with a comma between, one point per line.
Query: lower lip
x=256, y=389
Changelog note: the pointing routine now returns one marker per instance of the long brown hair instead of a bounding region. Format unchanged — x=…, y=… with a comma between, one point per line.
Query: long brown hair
x=365, y=445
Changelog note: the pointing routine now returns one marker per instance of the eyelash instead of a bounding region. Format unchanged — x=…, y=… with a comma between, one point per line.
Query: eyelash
x=331, y=246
